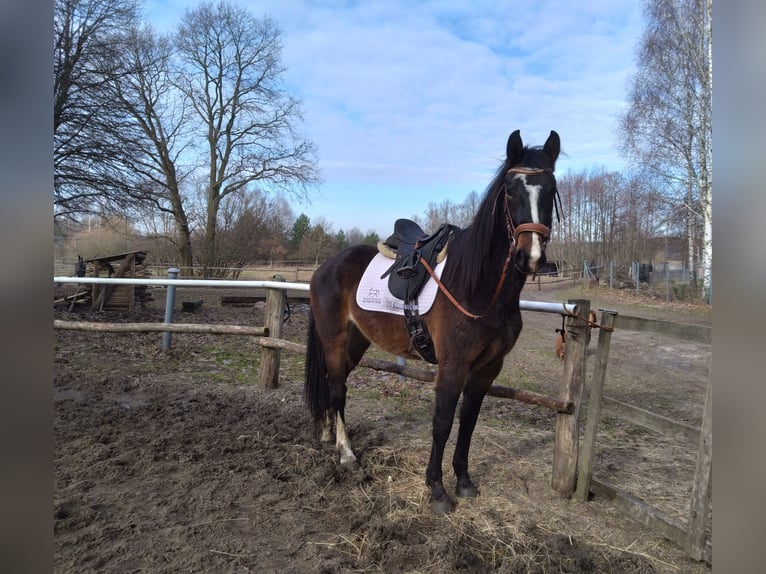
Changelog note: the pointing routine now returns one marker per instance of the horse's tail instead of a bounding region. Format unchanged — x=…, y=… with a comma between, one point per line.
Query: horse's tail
x=316, y=390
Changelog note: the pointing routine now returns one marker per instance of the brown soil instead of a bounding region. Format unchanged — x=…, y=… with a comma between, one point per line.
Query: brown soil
x=177, y=461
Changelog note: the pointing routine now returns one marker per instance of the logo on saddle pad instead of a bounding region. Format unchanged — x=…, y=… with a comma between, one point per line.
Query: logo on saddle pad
x=373, y=293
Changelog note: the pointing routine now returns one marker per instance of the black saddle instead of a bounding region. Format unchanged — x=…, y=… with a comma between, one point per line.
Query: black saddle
x=406, y=234
x=407, y=275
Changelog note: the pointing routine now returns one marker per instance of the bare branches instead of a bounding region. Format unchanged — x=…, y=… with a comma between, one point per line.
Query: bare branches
x=87, y=172
x=667, y=129
x=143, y=122
x=230, y=73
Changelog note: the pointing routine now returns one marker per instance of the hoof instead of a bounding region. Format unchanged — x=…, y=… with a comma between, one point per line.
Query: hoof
x=469, y=491
x=351, y=472
x=348, y=462
x=443, y=506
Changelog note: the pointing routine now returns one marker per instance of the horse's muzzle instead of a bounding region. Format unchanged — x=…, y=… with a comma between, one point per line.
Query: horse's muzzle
x=531, y=239
x=527, y=264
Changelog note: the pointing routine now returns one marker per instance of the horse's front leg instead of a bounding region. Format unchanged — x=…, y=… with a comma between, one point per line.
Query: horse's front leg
x=445, y=403
x=469, y=413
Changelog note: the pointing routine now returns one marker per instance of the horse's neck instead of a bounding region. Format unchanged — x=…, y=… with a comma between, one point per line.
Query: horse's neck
x=499, y=262
x=493, y=272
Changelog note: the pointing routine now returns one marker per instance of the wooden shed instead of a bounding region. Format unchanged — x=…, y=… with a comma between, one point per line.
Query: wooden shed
x=128, y=264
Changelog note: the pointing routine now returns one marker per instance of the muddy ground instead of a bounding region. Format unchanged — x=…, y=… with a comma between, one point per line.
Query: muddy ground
x=176, y=461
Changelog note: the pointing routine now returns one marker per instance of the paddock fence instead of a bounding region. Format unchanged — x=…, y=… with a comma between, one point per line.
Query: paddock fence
x=572, y=473
x=694, y=536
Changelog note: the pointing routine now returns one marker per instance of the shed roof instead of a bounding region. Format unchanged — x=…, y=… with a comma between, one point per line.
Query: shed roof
x=140, y=256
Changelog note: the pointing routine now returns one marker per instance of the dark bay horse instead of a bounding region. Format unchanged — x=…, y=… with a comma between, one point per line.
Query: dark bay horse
x=474, y=321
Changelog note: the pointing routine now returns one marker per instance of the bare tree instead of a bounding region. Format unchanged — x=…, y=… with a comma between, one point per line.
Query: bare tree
x=88, y=34
x=607, y=218
x=318, y=242
x=251, y=228
x=354, y=236
x=231, y=75
x=156, y=140
x=460, y=214
x=467, y=210
x=668, y=126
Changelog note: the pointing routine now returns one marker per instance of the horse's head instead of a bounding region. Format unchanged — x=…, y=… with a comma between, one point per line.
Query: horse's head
x=530, y=190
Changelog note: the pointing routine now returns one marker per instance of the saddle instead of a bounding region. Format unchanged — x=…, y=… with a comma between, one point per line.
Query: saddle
x=409, y=245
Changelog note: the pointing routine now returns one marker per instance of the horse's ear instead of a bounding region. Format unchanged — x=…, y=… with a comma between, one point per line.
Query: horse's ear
x=552, y=147
x=514, y=149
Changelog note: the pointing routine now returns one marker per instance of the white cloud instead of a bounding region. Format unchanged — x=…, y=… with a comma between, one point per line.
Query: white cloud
x=406, y=94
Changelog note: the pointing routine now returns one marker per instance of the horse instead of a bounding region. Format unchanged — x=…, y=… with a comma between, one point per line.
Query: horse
x=473, y=322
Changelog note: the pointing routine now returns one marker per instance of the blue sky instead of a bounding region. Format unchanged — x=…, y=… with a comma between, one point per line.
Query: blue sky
x=411, y=103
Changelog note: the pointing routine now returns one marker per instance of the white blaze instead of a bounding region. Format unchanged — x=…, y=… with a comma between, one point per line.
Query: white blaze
x=534, y=195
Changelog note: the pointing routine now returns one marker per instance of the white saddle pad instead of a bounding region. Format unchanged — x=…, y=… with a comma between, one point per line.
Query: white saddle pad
x=373, y=294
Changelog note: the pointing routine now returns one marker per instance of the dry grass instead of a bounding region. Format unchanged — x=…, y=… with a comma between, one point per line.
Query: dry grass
x=517, y=524
x=518, y=519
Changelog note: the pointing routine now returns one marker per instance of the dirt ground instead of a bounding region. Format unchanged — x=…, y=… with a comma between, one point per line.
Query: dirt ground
x=177, y=461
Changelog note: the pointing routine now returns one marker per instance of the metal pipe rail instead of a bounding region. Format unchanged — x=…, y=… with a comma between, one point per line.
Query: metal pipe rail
x=539, y=306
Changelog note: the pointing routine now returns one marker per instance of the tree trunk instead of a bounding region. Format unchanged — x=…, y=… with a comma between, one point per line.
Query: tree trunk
x=209, y=248
x=181, y=221
x=707, y=190
x=185, y=247
x=208, y=256
x=691, y=252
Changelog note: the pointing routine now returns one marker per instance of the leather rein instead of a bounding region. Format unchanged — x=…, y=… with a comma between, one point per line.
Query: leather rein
x=514, y=232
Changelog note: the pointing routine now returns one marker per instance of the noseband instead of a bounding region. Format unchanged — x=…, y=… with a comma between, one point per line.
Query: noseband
x=543, y=230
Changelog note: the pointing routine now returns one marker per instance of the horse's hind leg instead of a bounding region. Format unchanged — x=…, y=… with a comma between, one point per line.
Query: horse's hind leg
x=336, y=414
x=326, y=427
x=338, y=368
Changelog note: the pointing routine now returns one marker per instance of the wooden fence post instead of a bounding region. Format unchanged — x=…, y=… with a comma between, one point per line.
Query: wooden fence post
x=566, y=445
x=270, y=357
x=699, y=509
x=585, y=472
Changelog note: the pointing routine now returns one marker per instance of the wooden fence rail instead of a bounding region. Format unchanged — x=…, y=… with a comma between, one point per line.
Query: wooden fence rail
x=429, y=376
x=693, y=537
x=212, y=328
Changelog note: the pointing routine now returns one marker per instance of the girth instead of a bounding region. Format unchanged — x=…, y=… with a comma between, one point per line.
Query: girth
x=407, y=275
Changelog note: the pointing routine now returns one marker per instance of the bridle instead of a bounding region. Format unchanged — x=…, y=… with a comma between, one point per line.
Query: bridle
x=514, y=232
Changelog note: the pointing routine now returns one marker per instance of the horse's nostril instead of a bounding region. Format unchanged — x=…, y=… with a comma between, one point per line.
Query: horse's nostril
x=520, y=258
